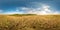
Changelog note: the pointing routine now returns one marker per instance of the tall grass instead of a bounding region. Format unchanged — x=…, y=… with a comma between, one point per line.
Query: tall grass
x=36, y=22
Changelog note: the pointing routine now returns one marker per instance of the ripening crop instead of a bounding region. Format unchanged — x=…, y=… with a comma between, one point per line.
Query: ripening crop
x=35, y=22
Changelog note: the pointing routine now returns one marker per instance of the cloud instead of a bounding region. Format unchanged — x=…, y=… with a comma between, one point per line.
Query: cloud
x=36, y=8
x=13, y=13
x=1, y=11
x=17, y=10
x=43, y=10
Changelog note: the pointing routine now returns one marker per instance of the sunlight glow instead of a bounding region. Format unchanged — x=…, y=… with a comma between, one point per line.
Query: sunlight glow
x=44, y=10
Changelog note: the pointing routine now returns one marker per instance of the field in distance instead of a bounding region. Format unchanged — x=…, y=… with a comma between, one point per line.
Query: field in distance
x=29, y=22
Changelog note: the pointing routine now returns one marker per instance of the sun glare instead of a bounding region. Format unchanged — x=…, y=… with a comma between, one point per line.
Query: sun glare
x=45, y=10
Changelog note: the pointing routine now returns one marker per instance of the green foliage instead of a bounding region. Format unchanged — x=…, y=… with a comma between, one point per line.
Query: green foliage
x=23, y=15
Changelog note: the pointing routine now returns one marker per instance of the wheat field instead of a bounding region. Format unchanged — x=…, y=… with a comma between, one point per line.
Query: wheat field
x=36, y=22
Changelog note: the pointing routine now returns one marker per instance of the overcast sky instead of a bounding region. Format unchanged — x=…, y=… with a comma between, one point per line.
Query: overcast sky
x=29, y=6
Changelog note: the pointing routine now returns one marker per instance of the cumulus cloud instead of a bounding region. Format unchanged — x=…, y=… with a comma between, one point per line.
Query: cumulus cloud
x=38, y=8
x=44, y=10
x=1, y=11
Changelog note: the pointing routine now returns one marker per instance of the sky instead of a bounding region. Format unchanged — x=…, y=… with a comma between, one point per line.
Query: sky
x=30, y=7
